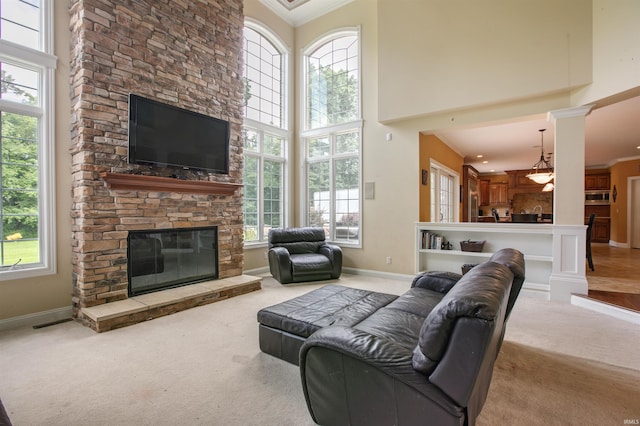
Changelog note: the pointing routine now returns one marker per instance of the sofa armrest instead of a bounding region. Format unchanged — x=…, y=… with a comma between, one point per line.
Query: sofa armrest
x=334, y=253
x=438, y=281
x=280, y=264
x=350, y=374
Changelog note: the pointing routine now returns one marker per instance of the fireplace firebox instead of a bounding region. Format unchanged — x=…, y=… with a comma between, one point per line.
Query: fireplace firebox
x=166, y=258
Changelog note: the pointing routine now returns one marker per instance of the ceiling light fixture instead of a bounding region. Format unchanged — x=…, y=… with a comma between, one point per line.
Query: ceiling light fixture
x=548, y=187
x=542, y=171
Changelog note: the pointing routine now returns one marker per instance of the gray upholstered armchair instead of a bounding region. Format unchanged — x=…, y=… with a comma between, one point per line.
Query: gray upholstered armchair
x=302, y=254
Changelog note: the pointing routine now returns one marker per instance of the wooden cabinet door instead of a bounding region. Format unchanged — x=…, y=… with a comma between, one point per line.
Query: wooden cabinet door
x=498, y=194
x=597, y=181
x=483, y=192
x=601, y=230
x=603, y=181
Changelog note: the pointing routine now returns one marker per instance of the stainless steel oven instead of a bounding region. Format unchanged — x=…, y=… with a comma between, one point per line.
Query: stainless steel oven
x=597, y=198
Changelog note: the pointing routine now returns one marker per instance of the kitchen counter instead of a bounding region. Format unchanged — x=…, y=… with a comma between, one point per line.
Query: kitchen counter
x=507, y=219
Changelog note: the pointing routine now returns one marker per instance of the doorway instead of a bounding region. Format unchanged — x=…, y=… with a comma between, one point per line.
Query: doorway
x=633, y=217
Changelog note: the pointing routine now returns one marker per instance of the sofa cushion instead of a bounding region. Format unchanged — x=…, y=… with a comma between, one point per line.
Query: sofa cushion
x=400, y=320
x=310, y=263
x=301, y=247
x=478, y=294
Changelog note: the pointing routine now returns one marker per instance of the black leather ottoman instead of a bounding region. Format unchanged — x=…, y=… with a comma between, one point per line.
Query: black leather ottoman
x=285, y=326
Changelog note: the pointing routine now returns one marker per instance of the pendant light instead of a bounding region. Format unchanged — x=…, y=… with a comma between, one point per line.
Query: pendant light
x=542, y=171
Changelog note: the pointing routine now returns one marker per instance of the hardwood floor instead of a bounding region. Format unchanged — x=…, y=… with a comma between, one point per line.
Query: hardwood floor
x=616, y=279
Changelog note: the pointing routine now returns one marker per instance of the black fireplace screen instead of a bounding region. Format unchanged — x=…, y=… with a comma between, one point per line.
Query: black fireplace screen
x=160, y=259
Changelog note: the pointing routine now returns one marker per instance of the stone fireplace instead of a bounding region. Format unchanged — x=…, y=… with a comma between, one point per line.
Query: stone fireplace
x=188, y=54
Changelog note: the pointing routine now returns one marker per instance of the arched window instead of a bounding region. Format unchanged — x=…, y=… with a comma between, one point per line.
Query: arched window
x=266, y=134
x=332, y=133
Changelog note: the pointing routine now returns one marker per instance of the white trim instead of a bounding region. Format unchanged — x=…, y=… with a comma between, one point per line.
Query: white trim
x=303, y=12
x=456, y=188
x=580, y=111
x=312, y=47
x=630, y=181
x=605, y=308
x=27, y=54
x=378, y=274
x=257, y=271
x=45, y=64
x=617, y=244
x=305, y=133
x=36, y=318
x=283, y=132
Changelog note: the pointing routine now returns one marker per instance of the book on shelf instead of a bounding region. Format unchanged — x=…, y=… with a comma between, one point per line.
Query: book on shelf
x=430, y=240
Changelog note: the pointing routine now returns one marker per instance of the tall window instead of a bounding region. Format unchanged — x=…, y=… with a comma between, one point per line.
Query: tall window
x=332, y=136
x=444, y=194
x=266, y=135
x=26, y=172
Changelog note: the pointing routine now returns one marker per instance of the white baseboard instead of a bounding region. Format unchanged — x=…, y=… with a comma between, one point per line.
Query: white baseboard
x=353, y=271
x=620, y=245
x=37, y=318
x=257, y=271
x=379, y=274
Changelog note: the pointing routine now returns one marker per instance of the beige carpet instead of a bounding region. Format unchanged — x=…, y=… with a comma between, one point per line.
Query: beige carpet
x=560, y=364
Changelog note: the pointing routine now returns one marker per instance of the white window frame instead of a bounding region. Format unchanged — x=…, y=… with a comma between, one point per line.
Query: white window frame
x=284, y=133
x=261, y=157
x=44, y=62
x=437, y=169
x=330, y=131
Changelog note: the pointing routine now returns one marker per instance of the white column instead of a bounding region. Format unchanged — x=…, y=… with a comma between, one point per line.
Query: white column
x=569, y=233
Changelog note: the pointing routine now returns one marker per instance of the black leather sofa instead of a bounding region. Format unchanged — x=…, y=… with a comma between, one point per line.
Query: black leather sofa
x=425, y=357
x=302, y=254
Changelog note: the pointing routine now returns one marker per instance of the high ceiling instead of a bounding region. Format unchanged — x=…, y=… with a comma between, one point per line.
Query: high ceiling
x=612, y=131
x=298, y=12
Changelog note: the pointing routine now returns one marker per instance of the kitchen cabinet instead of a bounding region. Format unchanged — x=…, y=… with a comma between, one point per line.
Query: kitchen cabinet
x=601, y=231
x=602, y=225
x=483, y=189
x=597, y=181
x=519, y=182
x=498, y=194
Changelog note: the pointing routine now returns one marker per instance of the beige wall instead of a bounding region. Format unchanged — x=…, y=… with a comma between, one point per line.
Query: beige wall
x=445, y=55
x=616, y=68
x=37, y=294
x=619, y=174
x=432, y=148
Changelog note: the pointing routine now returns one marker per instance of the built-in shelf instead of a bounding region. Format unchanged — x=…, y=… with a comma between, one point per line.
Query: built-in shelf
x=131, y=182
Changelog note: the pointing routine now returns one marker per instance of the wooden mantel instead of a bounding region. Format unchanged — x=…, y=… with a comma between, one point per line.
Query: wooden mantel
x=131, y=182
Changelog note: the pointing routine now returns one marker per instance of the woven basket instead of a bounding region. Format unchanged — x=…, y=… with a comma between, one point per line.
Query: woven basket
x=475, y=246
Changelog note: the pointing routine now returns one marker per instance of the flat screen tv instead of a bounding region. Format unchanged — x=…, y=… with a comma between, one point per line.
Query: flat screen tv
x=161, y=134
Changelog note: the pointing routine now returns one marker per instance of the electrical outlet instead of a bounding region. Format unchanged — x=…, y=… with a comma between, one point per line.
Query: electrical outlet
x=265, y=255
x=388, y=260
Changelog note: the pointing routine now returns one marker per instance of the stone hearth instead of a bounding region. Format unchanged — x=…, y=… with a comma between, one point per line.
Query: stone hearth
x=153, y=305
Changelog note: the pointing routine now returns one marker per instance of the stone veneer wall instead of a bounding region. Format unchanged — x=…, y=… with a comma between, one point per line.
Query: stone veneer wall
x=186, y=53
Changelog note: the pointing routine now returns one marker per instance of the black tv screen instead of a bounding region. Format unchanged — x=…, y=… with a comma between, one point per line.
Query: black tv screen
x=162, y=134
